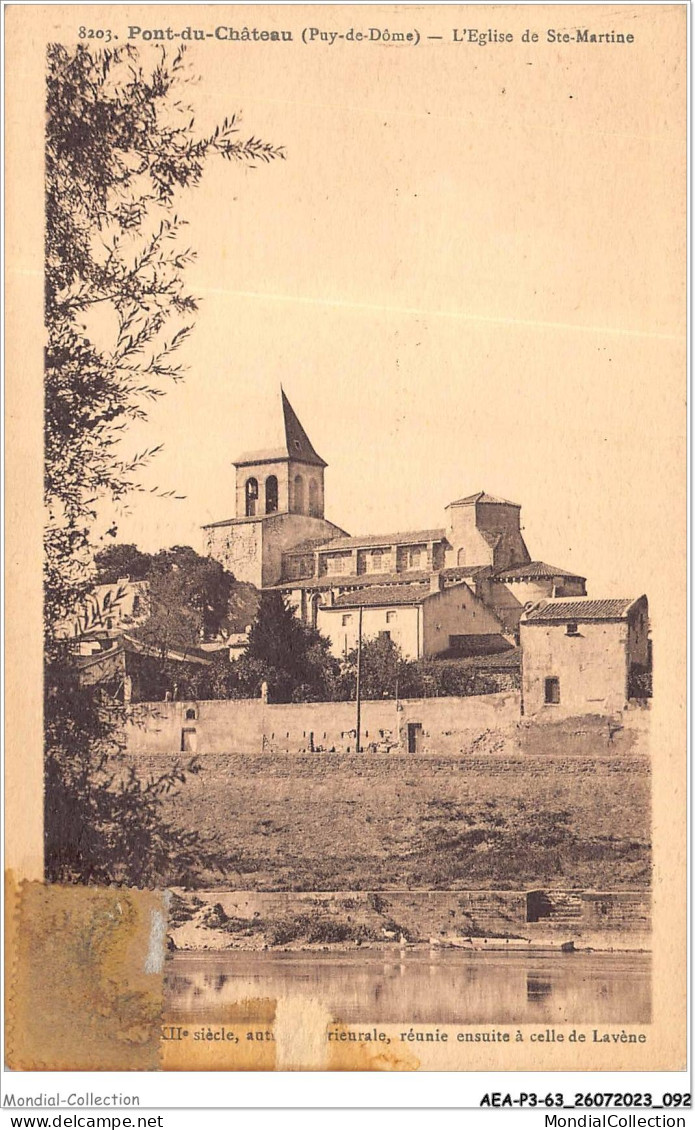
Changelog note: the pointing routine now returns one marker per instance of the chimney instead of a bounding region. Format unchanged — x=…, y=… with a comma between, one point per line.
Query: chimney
x=436, y=582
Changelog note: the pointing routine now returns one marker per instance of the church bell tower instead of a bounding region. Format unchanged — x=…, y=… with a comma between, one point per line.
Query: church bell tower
x=287, y=479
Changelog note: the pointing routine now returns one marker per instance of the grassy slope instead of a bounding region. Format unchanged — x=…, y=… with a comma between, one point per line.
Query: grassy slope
x=341, y=823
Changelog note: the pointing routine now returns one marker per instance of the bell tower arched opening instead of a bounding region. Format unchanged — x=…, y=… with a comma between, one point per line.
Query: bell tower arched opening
x=313, y=498
x=298, y=494
x=271, y=494
x=251, y=497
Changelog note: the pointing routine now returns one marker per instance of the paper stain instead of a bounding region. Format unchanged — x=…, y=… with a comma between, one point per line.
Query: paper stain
x=300, y=1031
x=240, y=1037
x=359, y=1055
x=84, y=982
x=154, y=962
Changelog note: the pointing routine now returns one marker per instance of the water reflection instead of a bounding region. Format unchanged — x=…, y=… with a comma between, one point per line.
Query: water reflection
x=537, y=988
x=419, y=987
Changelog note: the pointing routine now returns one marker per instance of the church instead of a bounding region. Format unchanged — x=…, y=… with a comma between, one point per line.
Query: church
x=457, y=589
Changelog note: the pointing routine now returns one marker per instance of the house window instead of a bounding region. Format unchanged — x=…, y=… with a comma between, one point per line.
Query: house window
x=136, y=605
x=313, y=498
x=414, y=558
x=271, y=494
x=375, y=561
x=552, y=691
x=461, y=557
x=390, y=617
x=572, y=629
x=346, y=619
x=335, y=564
x=299, y=494
x=251, y=497
x=191, y=714
x=384, y=635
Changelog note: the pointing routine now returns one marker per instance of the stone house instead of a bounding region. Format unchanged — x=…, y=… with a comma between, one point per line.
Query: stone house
x=581, y=655
x=424, y=619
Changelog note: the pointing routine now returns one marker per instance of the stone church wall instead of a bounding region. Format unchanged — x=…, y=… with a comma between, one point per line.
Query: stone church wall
x=237, y=547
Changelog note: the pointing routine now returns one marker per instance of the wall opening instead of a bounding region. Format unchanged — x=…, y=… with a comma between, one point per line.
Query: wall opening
x=251, y=497
x=315, y=605
x=298, y=494
x=271, y=494
x=189, y=741
x=414, y=737
x=313, y=498
x=538, y=906
x=414, y=558
x=552, y=691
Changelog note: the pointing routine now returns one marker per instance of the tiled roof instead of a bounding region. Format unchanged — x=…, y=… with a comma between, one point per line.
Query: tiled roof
x=365, y=580
x=483, y=643
x=579, y=608
x=386, y=594
x=318, y=583
x=354, y=580
x=262, y=455
x=307, y=546
x=409, y=537
x=466, y=572
x=237, y=521
x=137, y=647
x=534, y=569
x=508, y=660
x=483, y=496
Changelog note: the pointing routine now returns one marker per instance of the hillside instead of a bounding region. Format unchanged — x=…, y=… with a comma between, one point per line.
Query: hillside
x=356, y=822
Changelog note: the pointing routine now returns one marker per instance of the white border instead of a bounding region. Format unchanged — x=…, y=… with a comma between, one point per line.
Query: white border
x=343, y=1093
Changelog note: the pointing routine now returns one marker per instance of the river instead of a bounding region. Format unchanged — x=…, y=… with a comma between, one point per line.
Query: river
x=417, y=986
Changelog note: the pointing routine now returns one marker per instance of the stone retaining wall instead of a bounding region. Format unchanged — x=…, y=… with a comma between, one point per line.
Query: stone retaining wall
x=423, y=915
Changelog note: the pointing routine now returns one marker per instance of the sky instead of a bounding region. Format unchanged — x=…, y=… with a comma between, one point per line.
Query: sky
x=466, y=275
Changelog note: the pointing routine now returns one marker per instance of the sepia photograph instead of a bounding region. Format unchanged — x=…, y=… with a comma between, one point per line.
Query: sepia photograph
x=350, y=733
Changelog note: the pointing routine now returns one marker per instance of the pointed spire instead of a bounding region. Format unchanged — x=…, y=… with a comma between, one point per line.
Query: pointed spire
x=299, y=446
x=289, y=440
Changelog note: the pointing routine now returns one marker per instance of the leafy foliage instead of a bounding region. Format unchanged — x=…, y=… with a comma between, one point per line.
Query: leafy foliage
x=103, y=822
x=295, y=661
x=120, y=147
x=386, y=674
x=119, y=561
x=189, y=595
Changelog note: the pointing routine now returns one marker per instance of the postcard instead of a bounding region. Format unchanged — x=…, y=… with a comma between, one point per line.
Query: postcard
x=346, y=566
